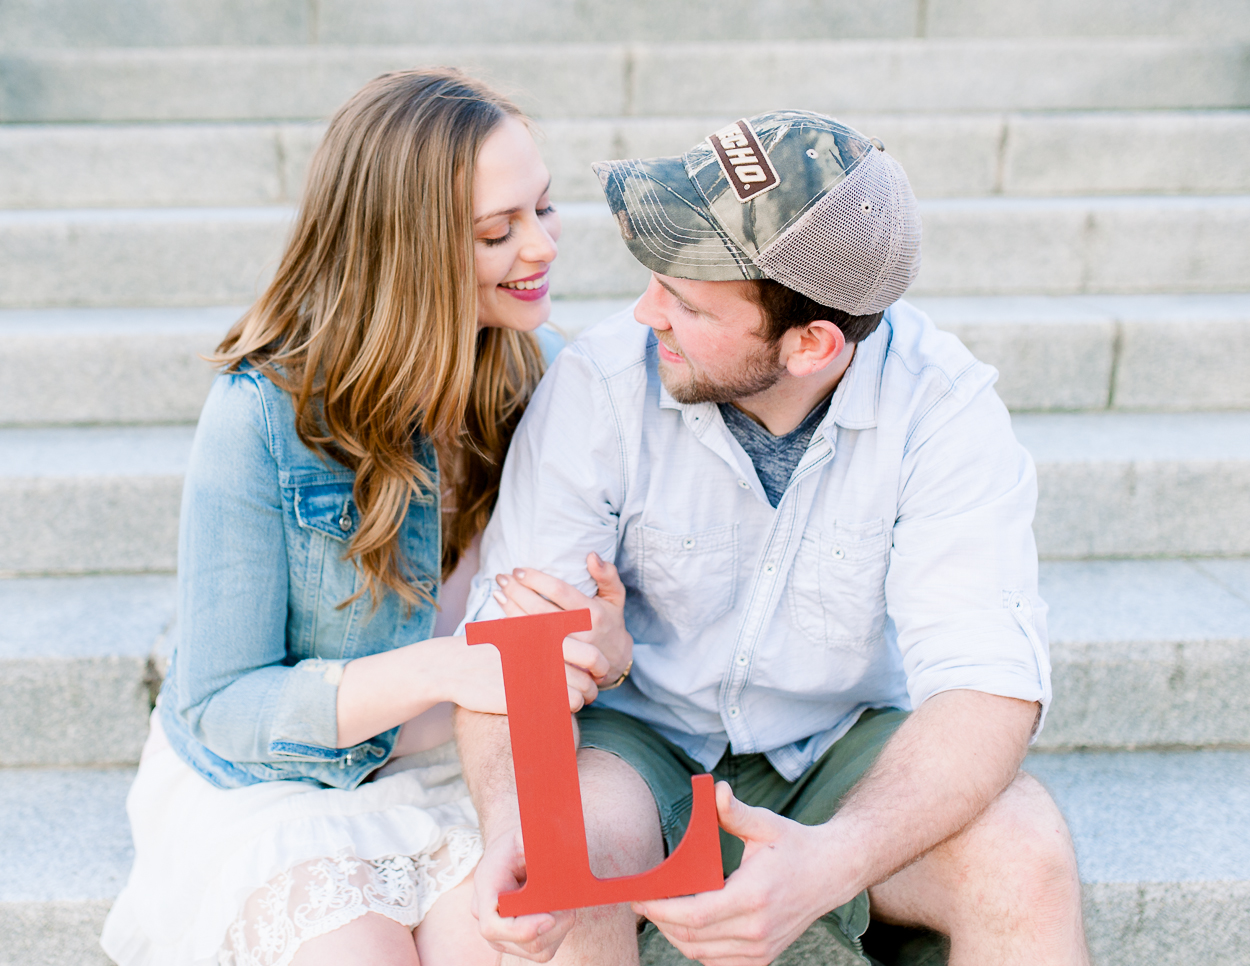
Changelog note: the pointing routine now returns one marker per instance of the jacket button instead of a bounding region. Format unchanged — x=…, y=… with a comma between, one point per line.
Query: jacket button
x=345, y=522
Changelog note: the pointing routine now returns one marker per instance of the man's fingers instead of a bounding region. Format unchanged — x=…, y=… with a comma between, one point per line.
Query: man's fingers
x=607, y=579
x=586, y=656
x=745, y=821
x=526, y=599
x=565, y=596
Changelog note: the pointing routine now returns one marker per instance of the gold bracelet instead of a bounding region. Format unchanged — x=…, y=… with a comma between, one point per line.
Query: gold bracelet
x=621, y=680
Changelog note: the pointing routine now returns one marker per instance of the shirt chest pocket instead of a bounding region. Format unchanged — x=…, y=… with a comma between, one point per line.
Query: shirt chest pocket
x=837, y=585
x=689, y=578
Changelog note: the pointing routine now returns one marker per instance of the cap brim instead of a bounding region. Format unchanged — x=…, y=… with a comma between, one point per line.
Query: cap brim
x=663, y=220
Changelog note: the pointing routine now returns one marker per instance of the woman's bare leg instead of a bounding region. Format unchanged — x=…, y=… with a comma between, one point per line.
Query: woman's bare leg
x=448, y=935
x=371, y=940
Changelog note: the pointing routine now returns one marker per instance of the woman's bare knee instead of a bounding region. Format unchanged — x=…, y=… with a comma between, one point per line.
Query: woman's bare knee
x=371, y=940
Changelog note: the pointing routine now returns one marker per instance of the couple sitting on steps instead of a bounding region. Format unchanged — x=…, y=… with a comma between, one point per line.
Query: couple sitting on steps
x=795, y=510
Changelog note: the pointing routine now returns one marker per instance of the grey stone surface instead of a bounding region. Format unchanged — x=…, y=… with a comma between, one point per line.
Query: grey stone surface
x=168, y=256
x=1146, y=653
x=53, y=933
x=75, y=666
x=63, y=833
x=606, y=80
x=1104, y=152
x=1232, y=575
x=1167, y=924
x=1062, y=246
x=89, y=500
x=1126, y=484
x=107, y=365
x=986, y=246
x=1051, y=353
x=1066, y=18
x=938, y=75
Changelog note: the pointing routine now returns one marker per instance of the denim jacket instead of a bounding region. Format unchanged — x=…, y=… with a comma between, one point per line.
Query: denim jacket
x=252, y=688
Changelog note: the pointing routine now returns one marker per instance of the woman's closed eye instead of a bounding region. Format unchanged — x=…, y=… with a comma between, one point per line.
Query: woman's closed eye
x=493, y=240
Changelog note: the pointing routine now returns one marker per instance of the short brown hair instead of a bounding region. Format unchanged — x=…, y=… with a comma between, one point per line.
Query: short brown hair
x=785, y=309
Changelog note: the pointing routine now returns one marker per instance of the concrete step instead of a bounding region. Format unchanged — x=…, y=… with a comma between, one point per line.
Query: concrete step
x=84, y=500
x=1145, y=653
x=107, y=365
x=1148, y=652
x=946, y=155
x=608, y=80
x=1146, y=352
x=79, y=663
x=91, y=500
x=1159, y=839
x=74, y=23
x=975, y=246
x=1140, y=484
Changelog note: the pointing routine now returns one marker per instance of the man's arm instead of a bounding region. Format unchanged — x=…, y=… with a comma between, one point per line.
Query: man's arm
x=939, y=771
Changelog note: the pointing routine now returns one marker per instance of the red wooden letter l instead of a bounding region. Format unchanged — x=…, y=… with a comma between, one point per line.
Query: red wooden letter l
x=557, y=863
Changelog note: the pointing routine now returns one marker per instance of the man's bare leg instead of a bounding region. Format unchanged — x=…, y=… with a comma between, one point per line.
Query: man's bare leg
x=622, y=831
x=1005, y=888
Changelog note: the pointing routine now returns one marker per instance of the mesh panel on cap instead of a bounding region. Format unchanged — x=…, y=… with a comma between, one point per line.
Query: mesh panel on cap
x=858, y=248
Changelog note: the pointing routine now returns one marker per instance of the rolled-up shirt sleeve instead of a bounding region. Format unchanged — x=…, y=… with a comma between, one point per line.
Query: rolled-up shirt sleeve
x=562, y=487
x=961, y=590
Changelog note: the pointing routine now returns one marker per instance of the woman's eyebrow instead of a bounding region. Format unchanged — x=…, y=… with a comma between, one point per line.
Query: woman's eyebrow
x=507, y=211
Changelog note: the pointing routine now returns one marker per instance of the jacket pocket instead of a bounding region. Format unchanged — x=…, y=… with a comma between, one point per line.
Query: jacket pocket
x=327, y=508
x=837, y=584
x=689, y=579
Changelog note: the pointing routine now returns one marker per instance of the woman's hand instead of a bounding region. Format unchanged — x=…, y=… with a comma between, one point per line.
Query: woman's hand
x=611, y=647
x=472, y=676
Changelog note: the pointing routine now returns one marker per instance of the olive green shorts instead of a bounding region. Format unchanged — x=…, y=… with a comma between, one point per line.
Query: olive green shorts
x=811, y=800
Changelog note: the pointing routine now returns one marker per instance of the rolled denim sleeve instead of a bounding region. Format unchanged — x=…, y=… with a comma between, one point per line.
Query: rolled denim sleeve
x=231, y=684
x=961, y=588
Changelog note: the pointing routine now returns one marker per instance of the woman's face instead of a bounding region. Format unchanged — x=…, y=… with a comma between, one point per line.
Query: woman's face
x=515, y=230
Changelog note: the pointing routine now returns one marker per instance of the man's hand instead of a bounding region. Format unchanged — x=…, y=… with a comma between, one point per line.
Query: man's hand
x=788, y=878
x=502, y=869
x=534, y=592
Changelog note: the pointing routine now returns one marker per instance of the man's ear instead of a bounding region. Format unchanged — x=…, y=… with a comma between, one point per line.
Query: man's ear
x=812, y=348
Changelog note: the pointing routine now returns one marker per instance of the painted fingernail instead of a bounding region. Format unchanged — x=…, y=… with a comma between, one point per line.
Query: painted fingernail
x=501, y=580
x=596, y=558
x=520, y=574
x=499, y=598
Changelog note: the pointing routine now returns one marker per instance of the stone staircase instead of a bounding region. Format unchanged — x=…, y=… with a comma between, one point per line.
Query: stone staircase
x=1084, y=173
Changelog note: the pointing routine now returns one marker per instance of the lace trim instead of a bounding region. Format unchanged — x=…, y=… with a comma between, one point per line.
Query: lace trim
x=317, y=897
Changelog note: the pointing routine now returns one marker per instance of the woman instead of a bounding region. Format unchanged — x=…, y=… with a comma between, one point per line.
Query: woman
x=299, y=799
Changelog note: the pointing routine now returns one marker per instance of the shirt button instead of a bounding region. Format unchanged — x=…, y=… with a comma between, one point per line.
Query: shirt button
x=744, y=484
x=733, y=712
x=688, y=543
x=742, y=659
x=838, y=553
x=770, y=569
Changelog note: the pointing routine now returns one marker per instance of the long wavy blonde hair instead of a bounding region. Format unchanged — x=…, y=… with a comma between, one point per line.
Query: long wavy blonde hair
x=370, y=322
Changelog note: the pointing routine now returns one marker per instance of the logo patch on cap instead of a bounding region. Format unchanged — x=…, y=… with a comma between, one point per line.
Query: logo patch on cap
x=745, y=163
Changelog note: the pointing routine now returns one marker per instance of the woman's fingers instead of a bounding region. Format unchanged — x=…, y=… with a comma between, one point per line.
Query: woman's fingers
x=564, y=596
x=527, y=600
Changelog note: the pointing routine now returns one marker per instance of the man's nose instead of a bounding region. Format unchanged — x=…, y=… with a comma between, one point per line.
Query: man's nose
x=648, y=310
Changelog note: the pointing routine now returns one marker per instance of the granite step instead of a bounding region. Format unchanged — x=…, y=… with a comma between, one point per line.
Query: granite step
x=79, y=23
x=1153, y=352
x=945, y=155
x=105, y=499
x=1159, y=838
x=648, y=79
x=1145, y=654
x=106, y=257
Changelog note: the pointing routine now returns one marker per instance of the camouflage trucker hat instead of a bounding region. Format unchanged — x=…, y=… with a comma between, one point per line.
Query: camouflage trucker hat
x=792, y=196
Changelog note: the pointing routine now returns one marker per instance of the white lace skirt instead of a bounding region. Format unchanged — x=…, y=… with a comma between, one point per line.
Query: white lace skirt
x=243, y=877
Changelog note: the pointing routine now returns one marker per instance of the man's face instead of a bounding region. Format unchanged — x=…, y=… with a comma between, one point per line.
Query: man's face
x=711, y=349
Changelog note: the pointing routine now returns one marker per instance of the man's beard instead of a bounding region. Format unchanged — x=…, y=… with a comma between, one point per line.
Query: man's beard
x=758, y=372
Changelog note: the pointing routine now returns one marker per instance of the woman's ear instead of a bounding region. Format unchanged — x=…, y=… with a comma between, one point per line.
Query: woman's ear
x=812, y=348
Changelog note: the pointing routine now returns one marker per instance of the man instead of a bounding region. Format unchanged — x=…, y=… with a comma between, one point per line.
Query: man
x=821, y=521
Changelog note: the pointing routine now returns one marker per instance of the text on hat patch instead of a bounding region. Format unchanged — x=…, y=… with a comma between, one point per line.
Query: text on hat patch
x=746, y=164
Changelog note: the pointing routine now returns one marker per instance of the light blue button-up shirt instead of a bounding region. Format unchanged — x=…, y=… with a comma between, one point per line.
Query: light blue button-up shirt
x=899, y=563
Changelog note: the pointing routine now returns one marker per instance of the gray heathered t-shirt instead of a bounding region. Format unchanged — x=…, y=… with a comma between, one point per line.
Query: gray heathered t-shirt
x=774, y=457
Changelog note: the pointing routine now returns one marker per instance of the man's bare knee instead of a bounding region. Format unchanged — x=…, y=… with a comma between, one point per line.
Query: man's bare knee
x=622, y=821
